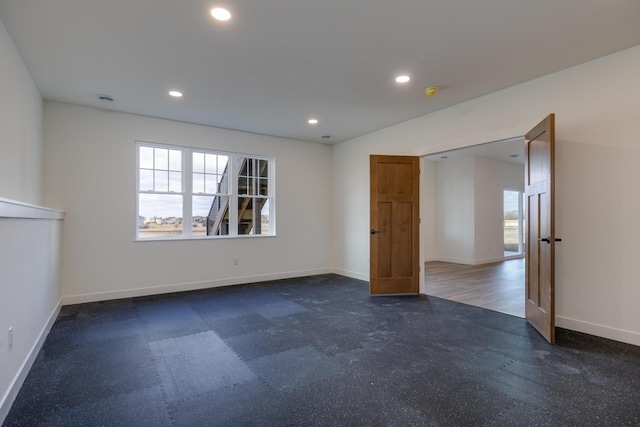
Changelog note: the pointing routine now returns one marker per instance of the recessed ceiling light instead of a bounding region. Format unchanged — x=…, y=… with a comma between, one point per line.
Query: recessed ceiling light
x=220, y=14
x=402, y=79
x=175, y=93
x=312, y=121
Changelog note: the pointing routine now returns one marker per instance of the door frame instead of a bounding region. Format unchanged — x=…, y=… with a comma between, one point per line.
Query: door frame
x=422, y=288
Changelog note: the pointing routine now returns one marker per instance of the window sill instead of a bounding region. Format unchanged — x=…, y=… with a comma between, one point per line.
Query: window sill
x=205, y=239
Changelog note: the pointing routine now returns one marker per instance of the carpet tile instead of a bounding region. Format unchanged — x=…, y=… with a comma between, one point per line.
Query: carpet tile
x=194, y=364
x=318, y=351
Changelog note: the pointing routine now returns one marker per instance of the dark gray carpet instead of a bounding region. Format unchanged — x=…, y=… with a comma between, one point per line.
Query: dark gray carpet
x=318, y=351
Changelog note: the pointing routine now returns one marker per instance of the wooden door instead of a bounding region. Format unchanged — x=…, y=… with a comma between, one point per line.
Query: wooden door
x=540, y=231
x=394, y=233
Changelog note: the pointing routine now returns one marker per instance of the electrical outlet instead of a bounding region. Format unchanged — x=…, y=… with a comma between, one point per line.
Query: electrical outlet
x=10, y=337
x=235, y=261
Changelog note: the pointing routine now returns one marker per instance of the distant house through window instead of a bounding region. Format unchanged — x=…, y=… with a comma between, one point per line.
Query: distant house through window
x=185, y=193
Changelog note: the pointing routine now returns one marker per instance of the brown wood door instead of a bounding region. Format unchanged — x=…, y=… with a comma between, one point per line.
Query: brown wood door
x=540, y=231
x=394, y=233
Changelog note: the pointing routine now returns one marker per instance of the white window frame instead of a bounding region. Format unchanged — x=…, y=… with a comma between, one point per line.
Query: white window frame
x=187, y=192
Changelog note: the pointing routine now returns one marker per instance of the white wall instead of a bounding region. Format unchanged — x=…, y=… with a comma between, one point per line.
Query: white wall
x=428, y=210
x=597, y=207
x=467, y=208
x=350, y=208
x=20, y=127
x=589, y=123
x=492, y=177
x=29, y=248
x=90, y=173
x=454, y=220
x=30, y=295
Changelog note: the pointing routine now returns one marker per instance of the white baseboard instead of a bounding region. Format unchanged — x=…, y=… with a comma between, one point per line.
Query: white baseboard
x=455, y=260
x=520, y=256
x=608, y=332
x=192, y=286
x=351, y=274
x=18, y=380
x=494, y=260
x=472, y=261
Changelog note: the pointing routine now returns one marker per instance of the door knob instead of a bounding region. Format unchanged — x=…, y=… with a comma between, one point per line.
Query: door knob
x=374, y=231
x=548, y=240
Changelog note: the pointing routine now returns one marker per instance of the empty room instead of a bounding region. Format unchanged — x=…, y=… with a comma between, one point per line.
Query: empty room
x=220, y=213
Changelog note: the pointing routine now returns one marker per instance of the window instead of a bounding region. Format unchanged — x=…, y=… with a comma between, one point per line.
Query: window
x=187, y=193
x=253, y=196
x=513, y=202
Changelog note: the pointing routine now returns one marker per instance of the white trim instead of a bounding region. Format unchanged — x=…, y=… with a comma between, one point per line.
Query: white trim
x=499, y=259
x=597, y=330
x=507, y=258
x=191, y=286
x=473, y=262
x=187, y=187
x=456, y=260
x=272, y=196
x=461, y=144
x=18, y=380
x=14, y=209
x=205, y=238
x=351, y=274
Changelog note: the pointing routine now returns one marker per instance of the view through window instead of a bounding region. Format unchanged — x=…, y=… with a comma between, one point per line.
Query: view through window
x=185, y=192
x=513, y=222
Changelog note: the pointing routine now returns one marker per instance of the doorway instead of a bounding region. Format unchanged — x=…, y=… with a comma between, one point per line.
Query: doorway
x=514, y=223
x=474, y=217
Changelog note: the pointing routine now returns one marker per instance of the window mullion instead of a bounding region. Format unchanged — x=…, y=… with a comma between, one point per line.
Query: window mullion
x=271, y=196
x=254, y=184
x=233, y=196
x=137, y=229
x=154, y=169
x=187, y=191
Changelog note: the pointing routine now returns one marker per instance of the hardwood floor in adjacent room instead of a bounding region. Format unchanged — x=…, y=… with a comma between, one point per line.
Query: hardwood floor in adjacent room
x=498, y=286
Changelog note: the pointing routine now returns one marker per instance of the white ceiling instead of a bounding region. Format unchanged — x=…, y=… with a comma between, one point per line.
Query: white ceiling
x=499, y=150
x=279, y=62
